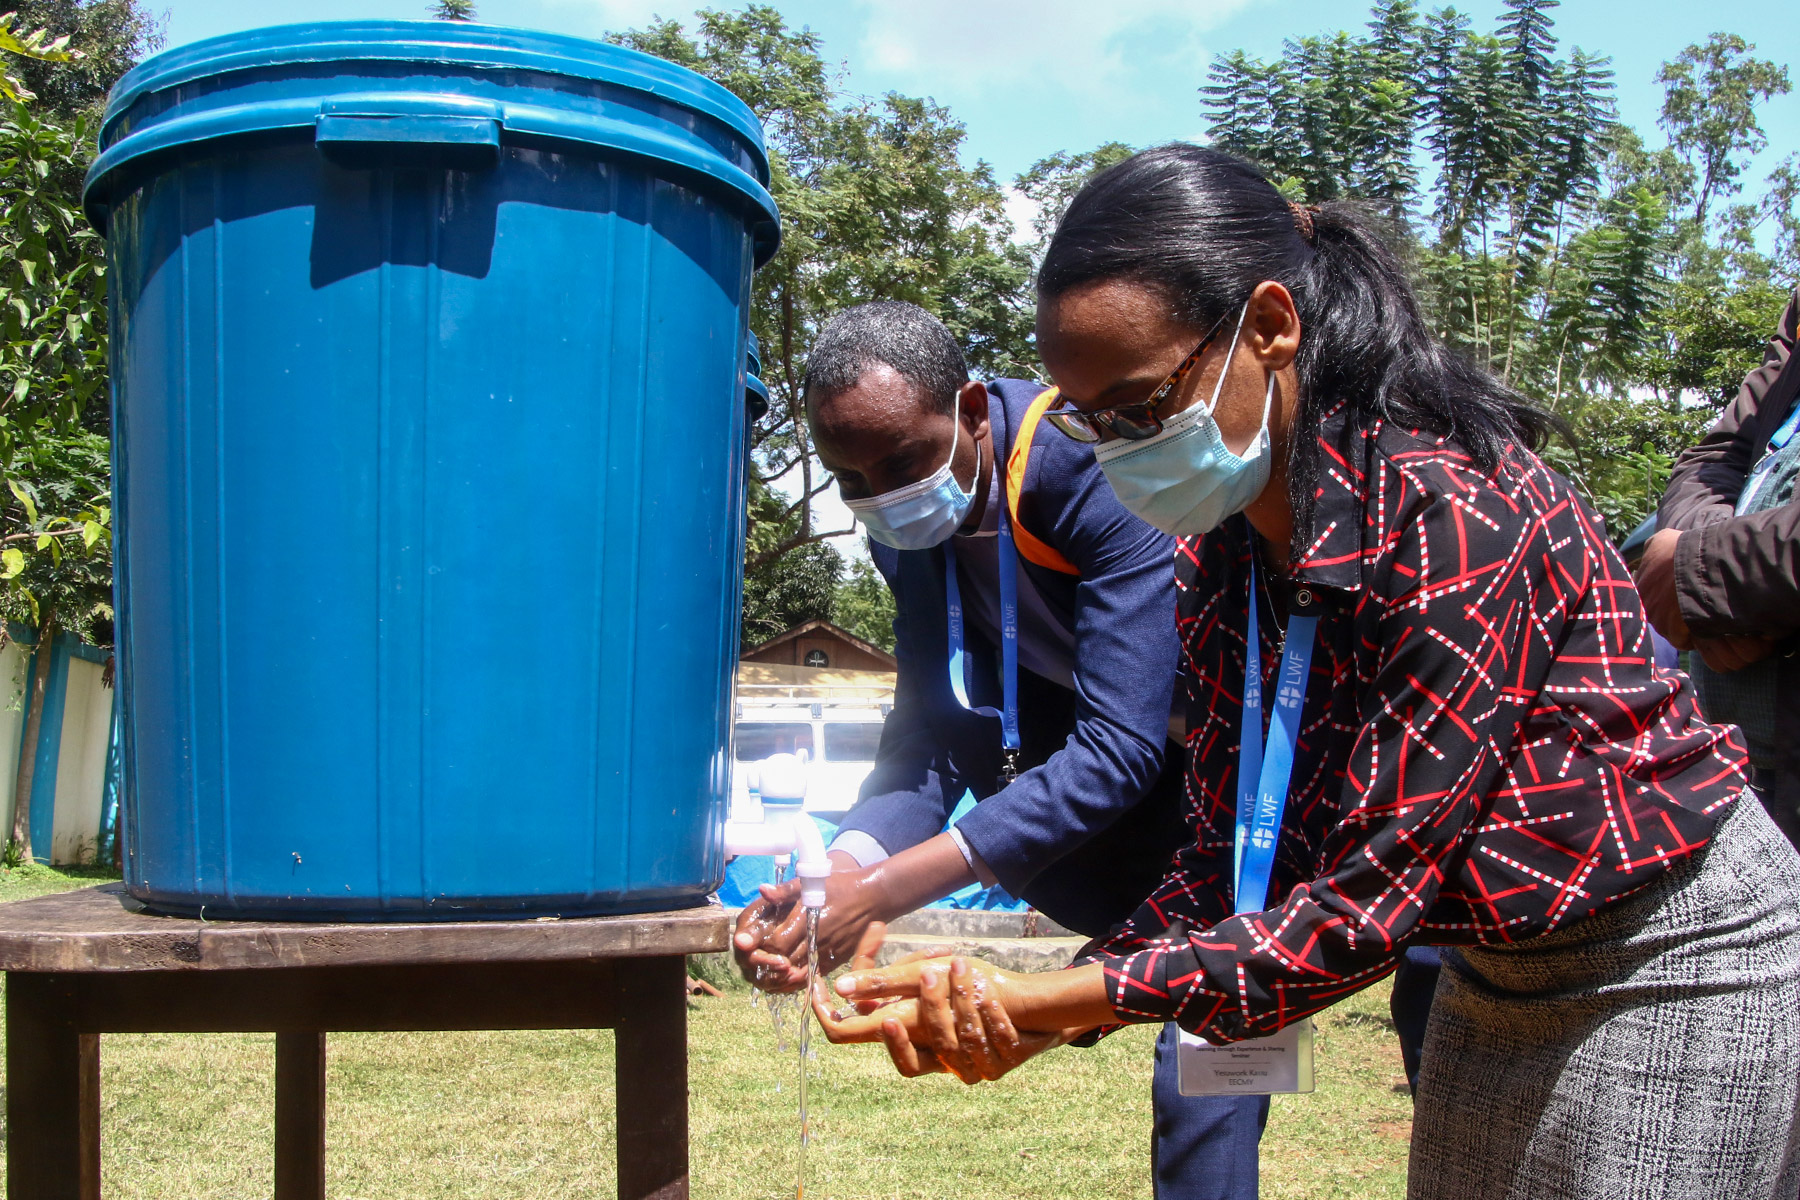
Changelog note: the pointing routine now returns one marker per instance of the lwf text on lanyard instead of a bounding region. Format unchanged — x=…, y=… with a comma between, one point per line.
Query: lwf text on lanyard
x=1262, y=794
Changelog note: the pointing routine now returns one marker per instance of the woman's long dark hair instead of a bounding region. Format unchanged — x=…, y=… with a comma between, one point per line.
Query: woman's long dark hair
x=1205, y=228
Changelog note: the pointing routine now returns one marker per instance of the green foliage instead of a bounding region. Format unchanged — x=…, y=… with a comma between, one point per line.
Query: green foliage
x=864, y=605
x=105, y=38
x=52, y=277
x=1621, y=451
x=28, y=45
x=55, y=514
x=454, y=10
x=1050, y=183
x=1710, y=338
x=56, y=553
x=798, y=587
x=1548, y=242
x=876, y=205
x=1709, y=110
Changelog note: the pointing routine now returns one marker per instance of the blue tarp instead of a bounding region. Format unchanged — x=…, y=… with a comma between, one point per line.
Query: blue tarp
x=744, y=874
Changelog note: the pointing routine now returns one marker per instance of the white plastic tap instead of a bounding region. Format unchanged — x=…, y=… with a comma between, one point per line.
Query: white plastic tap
x=778, y=825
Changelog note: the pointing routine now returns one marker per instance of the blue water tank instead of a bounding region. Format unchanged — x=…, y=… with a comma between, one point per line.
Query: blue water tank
x=429, y=347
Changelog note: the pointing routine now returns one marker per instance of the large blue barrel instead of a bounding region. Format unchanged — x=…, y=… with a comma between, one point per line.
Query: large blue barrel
x=429, y=351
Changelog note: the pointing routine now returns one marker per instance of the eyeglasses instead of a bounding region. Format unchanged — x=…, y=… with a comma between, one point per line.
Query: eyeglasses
x=1136, y=421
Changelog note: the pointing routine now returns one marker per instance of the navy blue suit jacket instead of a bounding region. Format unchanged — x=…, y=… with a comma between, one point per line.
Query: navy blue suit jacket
x=1089, y=829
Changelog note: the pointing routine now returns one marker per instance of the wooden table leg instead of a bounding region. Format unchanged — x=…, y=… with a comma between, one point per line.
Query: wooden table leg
x=650, y=1079
x=299, y=1116
x=52, y=1095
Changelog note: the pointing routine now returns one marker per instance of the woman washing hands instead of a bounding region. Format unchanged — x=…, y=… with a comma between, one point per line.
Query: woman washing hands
x=1479, y=751
x=953, y=1014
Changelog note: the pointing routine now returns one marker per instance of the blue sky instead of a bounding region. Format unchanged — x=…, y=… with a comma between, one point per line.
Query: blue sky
x=1029, y=77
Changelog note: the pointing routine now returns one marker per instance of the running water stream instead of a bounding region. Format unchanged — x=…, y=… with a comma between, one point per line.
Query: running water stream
x=812, y=958
x=784, y=1010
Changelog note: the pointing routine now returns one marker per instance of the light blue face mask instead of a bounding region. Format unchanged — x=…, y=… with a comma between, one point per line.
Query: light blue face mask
x=1184, y=480
x=923, y=514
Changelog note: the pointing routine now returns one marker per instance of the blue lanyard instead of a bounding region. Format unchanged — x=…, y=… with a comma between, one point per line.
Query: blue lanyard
x=1785, y=434
x=1009, y=644
x=1759, y=473
x=1260, y=805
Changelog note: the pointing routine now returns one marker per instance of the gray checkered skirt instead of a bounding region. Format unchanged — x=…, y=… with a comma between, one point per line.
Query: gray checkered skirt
x=1650, y=1052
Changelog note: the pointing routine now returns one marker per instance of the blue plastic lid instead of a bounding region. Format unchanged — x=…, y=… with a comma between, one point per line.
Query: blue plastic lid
x=236, y=84
x=460, y=43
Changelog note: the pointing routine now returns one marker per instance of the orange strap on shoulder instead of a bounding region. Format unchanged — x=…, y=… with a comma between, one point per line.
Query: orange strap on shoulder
x=1033, y=548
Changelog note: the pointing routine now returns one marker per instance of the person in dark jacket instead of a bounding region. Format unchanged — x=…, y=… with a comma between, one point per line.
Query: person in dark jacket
x=1081, y=813
x=1721, y=577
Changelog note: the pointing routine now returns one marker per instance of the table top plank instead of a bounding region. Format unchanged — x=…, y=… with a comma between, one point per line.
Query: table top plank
x=103, y=929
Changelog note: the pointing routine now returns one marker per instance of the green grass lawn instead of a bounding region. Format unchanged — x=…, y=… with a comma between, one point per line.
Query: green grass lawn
x=530, y=1114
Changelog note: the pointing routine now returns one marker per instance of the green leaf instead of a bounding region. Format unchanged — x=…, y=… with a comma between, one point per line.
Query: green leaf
x=13, y=560
x=91, y=532
x=24, y=498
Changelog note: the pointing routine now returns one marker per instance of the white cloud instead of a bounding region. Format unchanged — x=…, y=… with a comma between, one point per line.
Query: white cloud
x=1021, y=210
x=829, y=512
x=1097, y=53
x=596, y=16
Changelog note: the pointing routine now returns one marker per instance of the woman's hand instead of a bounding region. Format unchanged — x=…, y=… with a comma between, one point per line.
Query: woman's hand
x=936, y=1015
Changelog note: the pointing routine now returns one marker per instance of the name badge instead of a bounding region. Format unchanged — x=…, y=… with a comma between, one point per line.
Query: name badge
x=1281, y=1063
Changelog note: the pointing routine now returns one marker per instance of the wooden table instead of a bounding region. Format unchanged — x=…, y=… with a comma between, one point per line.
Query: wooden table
x=90, y=962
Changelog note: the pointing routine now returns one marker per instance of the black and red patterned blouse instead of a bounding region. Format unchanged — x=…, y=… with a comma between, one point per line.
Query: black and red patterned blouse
x=1487, y=750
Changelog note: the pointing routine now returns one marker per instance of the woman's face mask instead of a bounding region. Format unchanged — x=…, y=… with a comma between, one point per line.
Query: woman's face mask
x=923, y=514
x=1184, y=480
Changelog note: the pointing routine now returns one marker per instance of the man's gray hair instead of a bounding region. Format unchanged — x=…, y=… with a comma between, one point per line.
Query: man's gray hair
x=902, y=336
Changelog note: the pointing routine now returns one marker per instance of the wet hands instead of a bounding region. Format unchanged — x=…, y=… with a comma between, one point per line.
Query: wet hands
x=770, y=941
x=935, y=1014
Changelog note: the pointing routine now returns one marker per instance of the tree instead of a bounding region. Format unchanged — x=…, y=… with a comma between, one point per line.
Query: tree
x=106, y=38
x=57, y=568
x=1515, y=134
x=1709, y=110
x=1050, y=183
x=454, y=10
x=804, y=590
x=1547, y=241
x=865, y=606
x=876, y=204
x=55, y=518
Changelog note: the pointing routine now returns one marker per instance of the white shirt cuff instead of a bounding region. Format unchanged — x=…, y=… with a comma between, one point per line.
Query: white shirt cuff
x=973, y=859
x=860, y=846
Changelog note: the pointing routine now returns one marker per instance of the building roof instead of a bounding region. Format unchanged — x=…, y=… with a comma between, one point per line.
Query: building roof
x=817, y=627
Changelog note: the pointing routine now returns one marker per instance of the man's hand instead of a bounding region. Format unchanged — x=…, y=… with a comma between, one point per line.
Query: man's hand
x=769, y=944
x=1656, y=586
x=770, y=931
x=1733, y=653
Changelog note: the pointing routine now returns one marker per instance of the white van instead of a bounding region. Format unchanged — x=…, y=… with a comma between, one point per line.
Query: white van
x=838, y=736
